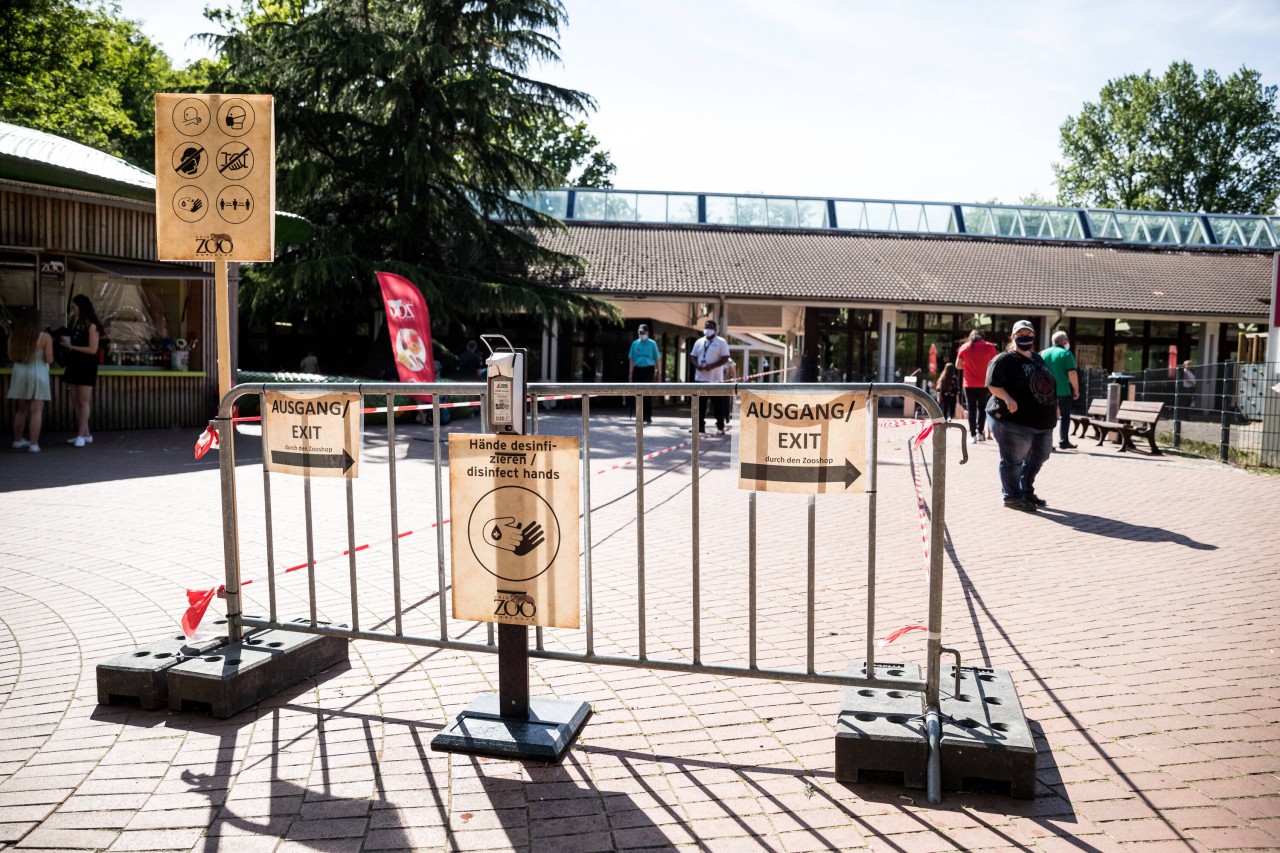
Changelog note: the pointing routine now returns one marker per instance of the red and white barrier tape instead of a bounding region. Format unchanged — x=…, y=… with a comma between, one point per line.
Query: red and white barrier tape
x=765, y=373
x=198, y=599
x=922, y=512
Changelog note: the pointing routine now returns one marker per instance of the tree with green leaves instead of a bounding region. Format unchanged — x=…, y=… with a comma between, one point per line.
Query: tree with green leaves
x=79, y=71
x=404, y=129
x=1176, y=142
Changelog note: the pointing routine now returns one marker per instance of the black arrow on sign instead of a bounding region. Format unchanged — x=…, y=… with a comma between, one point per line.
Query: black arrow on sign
x=802, y=473
x=313, y=460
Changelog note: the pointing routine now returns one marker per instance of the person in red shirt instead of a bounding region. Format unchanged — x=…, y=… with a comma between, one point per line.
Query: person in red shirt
x=973, y=359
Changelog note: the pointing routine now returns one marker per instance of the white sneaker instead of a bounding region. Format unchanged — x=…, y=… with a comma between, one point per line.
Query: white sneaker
x=34, y=448
x=88, y=439
x=21, y=443
x=78, y=441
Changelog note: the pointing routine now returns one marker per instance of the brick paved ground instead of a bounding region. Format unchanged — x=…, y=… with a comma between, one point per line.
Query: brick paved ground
x=1137, y=616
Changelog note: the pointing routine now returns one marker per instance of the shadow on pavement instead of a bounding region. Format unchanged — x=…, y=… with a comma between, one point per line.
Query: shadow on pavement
x=1117, y=529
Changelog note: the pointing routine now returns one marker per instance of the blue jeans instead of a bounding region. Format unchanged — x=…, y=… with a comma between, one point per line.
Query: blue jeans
x=1064, y=419
x=1023, y=451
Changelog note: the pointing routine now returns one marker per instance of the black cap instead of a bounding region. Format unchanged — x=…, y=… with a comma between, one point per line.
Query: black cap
x=642, y=328
x=710, y=324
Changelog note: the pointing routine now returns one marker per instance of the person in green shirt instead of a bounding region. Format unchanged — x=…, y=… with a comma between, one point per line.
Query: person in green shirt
x=1063, y=366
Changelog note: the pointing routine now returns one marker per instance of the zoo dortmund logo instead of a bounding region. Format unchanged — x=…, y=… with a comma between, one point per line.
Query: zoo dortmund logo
x=215, y=245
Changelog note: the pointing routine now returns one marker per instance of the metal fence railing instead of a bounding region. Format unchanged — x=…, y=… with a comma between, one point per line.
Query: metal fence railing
x=1228, y=410
x=396, y=592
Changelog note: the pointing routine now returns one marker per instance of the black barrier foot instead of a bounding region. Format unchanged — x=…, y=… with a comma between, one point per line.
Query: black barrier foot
x=142, y=676
x=546, y=734
x=986, y=742
x=880, y=734
x=240, y=675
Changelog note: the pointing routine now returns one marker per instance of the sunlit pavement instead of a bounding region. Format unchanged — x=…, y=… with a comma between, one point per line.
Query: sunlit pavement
x=1137, y=614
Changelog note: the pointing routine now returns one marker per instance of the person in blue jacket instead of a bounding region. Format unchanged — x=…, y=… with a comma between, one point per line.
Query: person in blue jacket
x=642, y=363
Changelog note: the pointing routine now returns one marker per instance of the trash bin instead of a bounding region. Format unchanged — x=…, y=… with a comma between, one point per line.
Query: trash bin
x=1121, y=379
x=1117, y=392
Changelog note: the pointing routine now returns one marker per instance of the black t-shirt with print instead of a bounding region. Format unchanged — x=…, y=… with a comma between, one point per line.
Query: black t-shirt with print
x=1030, y=383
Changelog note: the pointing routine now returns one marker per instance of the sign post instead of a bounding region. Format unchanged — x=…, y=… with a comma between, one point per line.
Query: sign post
x=515, y=504
x=215, y=190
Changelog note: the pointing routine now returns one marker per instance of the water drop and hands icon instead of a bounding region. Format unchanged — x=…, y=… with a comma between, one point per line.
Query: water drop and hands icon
x=509, y=535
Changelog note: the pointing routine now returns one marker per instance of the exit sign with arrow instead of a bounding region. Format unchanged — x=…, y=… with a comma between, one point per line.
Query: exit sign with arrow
x=803, y=443
x=315, y=435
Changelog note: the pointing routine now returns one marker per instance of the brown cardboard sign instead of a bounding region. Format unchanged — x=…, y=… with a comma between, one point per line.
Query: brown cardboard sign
x=803, y=443
x=314, y=435
x=513, y=501
x=215, y=177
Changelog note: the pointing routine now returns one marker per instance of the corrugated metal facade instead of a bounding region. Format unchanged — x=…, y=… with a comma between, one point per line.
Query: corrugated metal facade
x=66, y=221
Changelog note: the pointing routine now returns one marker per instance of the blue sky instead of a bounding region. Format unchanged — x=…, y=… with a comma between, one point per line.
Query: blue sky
x=930, y=100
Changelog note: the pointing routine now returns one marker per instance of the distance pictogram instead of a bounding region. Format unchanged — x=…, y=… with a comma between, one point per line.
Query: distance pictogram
x=191, y=116
x=235, y=204
x=235, y=160
x=190, y=204
x=516, y=547
x=190, y=159
x=235, y=117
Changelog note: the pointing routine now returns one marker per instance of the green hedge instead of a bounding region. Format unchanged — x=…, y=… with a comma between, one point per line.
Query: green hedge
x=249, y=405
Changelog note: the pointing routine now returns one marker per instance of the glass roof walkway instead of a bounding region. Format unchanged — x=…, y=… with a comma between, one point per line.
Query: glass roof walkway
x=909, y=217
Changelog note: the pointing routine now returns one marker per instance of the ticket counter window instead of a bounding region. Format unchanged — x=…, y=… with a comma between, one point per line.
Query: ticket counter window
x=142, y=319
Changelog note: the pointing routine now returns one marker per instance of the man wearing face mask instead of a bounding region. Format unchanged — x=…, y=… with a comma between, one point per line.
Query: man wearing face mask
x=1023, y=409
x=710, y=354
x=643, y=362
x=1063, y=365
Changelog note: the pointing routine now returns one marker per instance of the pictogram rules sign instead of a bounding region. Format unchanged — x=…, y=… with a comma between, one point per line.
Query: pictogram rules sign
x=215, y=177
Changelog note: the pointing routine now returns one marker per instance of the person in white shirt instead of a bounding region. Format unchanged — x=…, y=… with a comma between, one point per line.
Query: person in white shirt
x=710, y=354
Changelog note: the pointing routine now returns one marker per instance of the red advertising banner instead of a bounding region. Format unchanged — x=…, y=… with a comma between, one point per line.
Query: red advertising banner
x=410, y=328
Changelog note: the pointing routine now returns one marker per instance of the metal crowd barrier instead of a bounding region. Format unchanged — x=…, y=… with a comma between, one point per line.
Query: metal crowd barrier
x=392, y=628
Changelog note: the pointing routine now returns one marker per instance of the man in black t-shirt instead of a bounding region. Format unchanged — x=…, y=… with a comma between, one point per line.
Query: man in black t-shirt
x=1023, y=409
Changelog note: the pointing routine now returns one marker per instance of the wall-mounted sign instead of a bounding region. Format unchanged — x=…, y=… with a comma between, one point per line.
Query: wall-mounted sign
x=316, y=435
x=514, y=506
x=810, y=444
x=215, y=177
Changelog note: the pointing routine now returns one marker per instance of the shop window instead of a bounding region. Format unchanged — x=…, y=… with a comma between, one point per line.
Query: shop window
x=1089, y=327
x=17, y=282
x=142, y=319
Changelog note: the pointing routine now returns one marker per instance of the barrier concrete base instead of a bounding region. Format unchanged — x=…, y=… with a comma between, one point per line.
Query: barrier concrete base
x=546, y=735
x=880, y=734
x=141, y=677
x=986, y=742
x=240, y=675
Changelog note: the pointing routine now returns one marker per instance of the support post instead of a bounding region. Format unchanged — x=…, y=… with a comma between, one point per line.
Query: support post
x=222, y=311
x=513, y=671
x=510, y=724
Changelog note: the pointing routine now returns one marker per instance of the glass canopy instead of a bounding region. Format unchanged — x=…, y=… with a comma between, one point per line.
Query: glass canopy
x=909, y=217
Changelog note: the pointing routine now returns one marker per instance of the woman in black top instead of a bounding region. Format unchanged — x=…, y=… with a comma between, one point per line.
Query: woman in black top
x=82, y=372
x=1024, y=410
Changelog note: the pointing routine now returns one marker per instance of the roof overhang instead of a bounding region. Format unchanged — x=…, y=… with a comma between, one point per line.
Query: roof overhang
x=141, y=269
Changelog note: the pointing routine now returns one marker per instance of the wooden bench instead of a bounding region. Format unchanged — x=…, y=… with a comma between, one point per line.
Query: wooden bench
x=1133, y=419
x=1097, y=412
